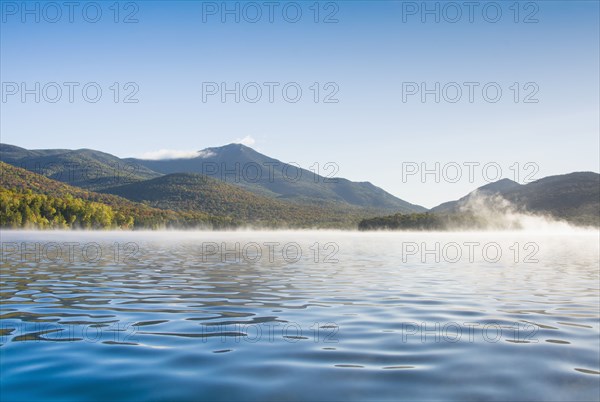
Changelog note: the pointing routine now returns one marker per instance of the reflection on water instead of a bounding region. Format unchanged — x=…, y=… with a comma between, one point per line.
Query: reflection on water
x=299, y=315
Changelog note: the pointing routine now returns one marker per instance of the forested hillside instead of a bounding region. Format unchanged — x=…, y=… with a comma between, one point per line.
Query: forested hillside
x=34, y=201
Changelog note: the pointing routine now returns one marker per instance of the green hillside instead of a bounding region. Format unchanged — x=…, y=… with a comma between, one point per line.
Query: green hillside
x=176, y=201
x=85, y=168
x=574, y=197
x=199, y=193
x=32, y=200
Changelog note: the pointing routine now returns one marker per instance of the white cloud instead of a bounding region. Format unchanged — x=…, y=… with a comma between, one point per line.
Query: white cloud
x=174, y=154
x=247, y=141
x=205, y=154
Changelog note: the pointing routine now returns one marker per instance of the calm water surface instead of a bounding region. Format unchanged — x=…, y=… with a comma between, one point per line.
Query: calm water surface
x=300, y=316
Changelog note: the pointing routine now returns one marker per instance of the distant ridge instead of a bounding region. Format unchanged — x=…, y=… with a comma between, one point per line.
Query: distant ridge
x=235, y=164
x=278, y=179
x=574, y=197
x=85, y=168
x=497, y=187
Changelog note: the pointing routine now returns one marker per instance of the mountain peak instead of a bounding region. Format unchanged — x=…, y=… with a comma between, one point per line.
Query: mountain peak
x=233, y=145
x=500, y=185
x=233, y=148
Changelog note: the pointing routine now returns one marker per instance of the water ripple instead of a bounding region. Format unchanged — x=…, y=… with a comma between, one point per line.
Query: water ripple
x=371, y=326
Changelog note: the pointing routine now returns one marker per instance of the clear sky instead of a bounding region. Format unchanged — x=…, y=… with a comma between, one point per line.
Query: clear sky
x=365, y=55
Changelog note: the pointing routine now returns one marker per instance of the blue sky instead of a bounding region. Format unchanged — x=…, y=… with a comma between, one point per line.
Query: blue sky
x=368, y=56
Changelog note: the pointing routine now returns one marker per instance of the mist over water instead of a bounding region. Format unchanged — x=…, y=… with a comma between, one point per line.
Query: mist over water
x=289, y=315
x=497, y=213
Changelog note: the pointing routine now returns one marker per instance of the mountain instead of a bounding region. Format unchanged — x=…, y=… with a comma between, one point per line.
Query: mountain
x=29, y=199
x=244, y=167
x=85, y=168
x=200, y=193
x=497, y=187
x=235, y=164
x=574, y=197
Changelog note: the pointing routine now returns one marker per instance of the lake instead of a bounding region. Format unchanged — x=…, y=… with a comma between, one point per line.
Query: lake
x=306, y=315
